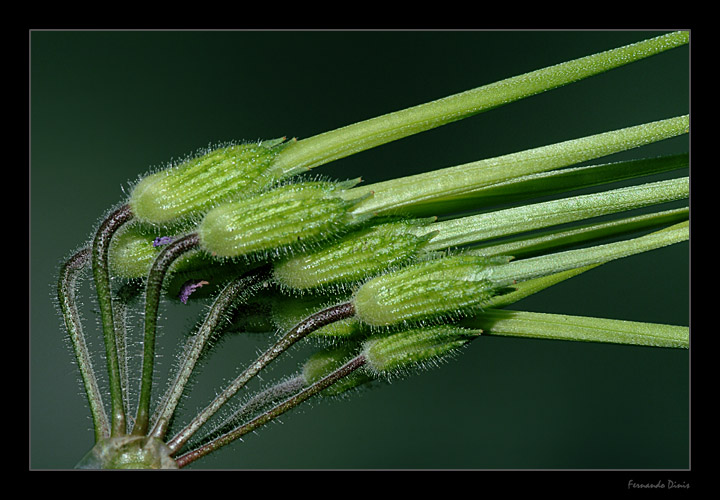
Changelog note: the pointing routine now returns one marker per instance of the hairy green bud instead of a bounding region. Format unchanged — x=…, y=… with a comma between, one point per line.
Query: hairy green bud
x=355, y=256
x=413, y=348
x=132, y=252
x=434, y=289
x=324, y=362
x=134, y=248
x=289, y=217
x=190, y=188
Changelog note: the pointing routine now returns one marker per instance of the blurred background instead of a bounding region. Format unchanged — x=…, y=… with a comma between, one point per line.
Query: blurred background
x=108, y=106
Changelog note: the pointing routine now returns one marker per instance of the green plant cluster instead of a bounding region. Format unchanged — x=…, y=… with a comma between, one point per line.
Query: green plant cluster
x=387, y=277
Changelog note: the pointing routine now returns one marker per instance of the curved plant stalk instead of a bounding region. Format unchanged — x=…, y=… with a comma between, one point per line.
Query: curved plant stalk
x=228, y=297
x=153, y=291
x=101, y=276
x=68, y=306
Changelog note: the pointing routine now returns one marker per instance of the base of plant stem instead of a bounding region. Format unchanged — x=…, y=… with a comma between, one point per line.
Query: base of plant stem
x=128, y=452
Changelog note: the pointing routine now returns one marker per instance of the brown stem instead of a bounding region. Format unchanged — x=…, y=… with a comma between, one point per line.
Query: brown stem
x=305, y=327
x=275, y=412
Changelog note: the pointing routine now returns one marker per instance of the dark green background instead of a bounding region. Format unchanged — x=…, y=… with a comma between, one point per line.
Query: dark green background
x=108, y=106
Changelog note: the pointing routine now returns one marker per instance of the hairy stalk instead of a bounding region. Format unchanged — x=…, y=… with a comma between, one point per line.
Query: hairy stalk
x=323, y=148
x=227, y=298
x=275, y=412
x=153, y=291
x=302, y=329
x=101, y=276
x=68, y=306
x=126, y=294
x=271, y=395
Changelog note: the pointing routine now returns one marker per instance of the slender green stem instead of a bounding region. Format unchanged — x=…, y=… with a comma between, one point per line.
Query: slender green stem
x=573, y=178
x=545, y=265
x=71, y=315
x=329, y=146
x=486, y=226
x=595, y=257
x=220, y=309
x=275, y=412
x=301, y=330
x=580, y=328
x=153, y=292
x=527, y=246
x=427, y=193
x=101, y=276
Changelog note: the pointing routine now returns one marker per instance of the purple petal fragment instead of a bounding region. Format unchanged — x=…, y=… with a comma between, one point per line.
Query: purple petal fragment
x=189, y=287
x=162, y=240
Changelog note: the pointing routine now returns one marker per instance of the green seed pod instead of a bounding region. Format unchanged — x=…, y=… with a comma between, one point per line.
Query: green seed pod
x=355, y=256
x=412, y=348
x=132, y=252
x=134, y=248
x=326, y=361
x=191, y=188
x=428, y=290
x=293, y=216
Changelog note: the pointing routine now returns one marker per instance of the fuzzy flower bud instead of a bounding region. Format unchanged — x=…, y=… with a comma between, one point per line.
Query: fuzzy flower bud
x=427, y=290
x=135, y=247
x=293, y=216
x=188, y=189
x=355, y=256
x=412, y=348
